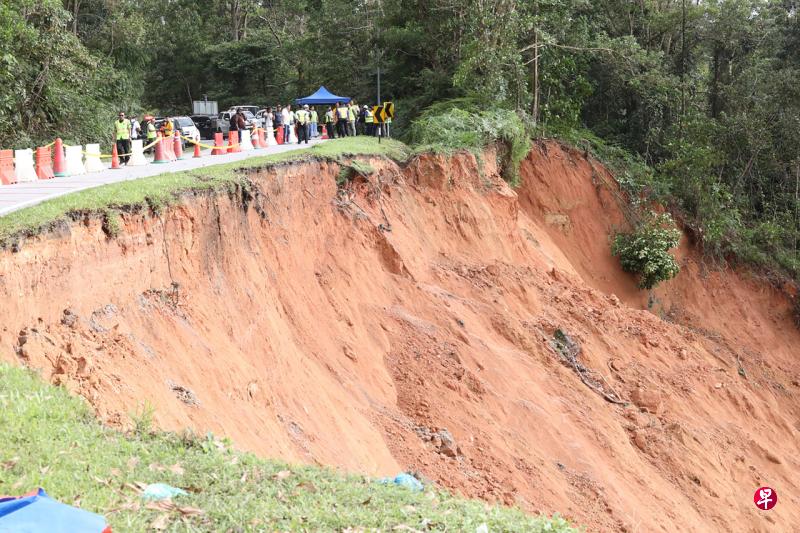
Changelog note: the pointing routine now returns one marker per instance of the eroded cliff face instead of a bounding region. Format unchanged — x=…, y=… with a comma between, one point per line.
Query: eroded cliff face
x=407, y=322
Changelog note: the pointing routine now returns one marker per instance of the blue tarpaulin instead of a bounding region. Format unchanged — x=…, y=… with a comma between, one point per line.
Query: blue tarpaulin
x=322, y=96
x=38, y=513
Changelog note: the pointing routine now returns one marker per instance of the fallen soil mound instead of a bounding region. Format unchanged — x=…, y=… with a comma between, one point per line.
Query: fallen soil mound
x=429, y=318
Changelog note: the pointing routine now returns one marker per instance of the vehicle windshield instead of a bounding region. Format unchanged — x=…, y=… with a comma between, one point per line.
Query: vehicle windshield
x=183, y=122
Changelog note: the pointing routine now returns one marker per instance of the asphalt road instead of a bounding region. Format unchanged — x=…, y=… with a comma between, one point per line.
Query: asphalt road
x=20, y=195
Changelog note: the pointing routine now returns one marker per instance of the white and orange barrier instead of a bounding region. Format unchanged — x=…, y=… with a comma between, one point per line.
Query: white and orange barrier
x=93, y=163
x=7, y=176
x=23, y=165
x=44, y=163
x=246, y=141
x=137, y=154
x=74, y=157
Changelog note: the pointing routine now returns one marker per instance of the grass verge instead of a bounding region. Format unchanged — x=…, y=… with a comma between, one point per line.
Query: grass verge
x=49, y=439
x=159, y=191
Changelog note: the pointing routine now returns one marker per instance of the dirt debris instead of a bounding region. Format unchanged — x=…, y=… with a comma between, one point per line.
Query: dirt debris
x=314, y=335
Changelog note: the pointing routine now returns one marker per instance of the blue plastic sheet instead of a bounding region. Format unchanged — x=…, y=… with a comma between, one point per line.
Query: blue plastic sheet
x=403, y=480
x=161, y=491
x=38, y=513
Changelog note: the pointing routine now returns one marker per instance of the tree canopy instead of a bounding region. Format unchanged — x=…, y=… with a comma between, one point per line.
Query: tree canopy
x=705, y=95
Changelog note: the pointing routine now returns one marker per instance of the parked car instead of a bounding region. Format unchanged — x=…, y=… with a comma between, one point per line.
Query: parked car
x=223, y=121
x=187, y=127
x=184, y=124
x=204, y=124
x=252, y=108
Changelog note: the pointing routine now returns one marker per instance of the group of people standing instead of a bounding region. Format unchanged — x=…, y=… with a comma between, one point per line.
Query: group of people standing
x=126, y=130
x=340, y=120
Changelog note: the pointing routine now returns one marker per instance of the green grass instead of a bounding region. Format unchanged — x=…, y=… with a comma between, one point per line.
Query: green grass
x=50, y=439
x=158, y=191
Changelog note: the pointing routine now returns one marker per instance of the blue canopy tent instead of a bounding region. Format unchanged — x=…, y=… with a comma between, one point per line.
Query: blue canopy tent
x=322, y=96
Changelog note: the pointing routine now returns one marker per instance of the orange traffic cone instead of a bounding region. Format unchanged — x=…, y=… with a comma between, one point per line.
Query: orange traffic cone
x=197, y=150
x=160, y=157
x=59, y=165
x=114, y=156
x=178, y=146
x=324, y=132
x=280, y=135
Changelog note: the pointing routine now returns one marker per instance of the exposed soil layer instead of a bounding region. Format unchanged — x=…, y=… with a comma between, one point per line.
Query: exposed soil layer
x=429, y=318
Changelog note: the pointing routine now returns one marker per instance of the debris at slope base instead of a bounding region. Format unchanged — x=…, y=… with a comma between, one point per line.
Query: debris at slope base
x=328, y=323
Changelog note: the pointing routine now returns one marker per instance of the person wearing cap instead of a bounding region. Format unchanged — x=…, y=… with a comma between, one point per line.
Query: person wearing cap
x=122, y=137
x=150, y=130
x=302, y=117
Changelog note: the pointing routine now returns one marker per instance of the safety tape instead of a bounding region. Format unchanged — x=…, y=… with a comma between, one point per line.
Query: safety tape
x=106, y=156
x=209, y=146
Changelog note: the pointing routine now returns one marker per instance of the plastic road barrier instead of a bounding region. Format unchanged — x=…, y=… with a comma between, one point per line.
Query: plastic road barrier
x=93, y=163
x=246, y=143
x=23, y=165
x=137, y=154
x=75, y=160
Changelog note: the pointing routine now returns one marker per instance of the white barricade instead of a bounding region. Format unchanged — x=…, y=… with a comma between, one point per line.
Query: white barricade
x=93, y=162
x=271, y=137
x=137, y=154
x=292, y=135
x=23, y=165
x=74, y=157
x=245, y=141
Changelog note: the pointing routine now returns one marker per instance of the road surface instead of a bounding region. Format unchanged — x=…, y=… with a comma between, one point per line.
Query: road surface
x=20, y=195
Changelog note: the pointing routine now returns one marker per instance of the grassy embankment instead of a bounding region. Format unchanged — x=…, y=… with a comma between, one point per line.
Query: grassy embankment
x=158, y=191
x=49, y=439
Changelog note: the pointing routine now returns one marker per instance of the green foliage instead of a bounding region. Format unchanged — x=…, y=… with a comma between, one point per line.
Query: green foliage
x=50, y=439
x=645, y=251
x=697, y=102
x=464, y=124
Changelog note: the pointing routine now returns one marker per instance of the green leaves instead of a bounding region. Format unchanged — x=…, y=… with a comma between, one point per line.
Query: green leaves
x=464, y=124
x=645, y=251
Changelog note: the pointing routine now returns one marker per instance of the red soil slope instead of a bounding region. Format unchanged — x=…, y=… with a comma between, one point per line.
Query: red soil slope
x=350, y=329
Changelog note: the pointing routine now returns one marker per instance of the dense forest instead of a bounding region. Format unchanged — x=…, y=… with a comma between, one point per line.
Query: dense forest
x=697, y=104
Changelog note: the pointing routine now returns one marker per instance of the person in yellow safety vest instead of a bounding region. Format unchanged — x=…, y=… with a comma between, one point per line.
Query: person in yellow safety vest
x=150, y=130
x=314, y=120
x=369, y=121
x=341, y=120
x=302, y=118
x=122, y=136
x=167, y=129
x=352, y=111
x=329, y=122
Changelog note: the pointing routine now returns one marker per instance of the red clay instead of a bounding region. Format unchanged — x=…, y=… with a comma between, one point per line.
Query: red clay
x=349, y=329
